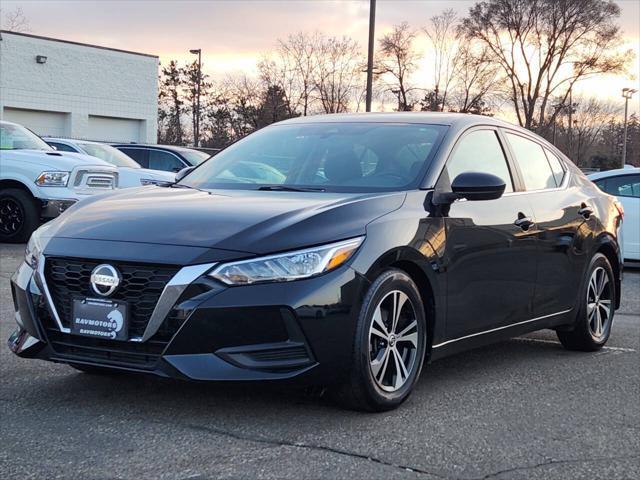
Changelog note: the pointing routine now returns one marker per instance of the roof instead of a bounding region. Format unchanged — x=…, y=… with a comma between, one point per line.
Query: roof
x=47, y=138
x=614, y=173
x=440, y=118
x=40, y=37
x=152, y=145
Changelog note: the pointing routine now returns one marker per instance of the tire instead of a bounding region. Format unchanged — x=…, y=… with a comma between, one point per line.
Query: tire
x=93, y=370
x=19, y=215
x=596, y=309
x=374, y=385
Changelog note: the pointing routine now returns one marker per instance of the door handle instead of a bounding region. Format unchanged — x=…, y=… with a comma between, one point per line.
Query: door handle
x=524, y=222
x=585, y=211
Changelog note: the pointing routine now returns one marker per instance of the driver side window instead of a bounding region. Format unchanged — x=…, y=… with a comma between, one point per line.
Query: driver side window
x=479, y=151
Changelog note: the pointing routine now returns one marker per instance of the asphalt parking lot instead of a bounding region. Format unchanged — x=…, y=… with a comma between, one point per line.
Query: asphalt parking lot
x=525, y=408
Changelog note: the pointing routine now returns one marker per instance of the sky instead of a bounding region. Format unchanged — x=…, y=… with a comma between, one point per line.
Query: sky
x=234, y=34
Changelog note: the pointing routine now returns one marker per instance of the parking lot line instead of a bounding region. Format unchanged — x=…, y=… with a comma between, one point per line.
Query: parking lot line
x=540, y=340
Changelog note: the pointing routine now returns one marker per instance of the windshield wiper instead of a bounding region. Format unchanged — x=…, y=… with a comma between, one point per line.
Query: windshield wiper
x=287, y=188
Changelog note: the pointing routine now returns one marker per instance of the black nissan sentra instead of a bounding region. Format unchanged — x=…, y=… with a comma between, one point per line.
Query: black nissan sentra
x=340, y=250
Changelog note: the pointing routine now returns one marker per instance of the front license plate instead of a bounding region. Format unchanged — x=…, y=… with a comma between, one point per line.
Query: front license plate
x=98, y=318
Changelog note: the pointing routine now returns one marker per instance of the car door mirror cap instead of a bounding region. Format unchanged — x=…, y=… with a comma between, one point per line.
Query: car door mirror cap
x=183, y=173
x=477, y=186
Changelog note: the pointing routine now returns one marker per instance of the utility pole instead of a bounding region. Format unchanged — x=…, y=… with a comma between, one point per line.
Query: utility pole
x=196, y=118
x=372, y=39
x=570, y=120
x=627, y=93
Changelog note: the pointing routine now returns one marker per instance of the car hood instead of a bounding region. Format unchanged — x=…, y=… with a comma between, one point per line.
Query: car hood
x=133, y=177
x=53, y=160
x=254, y=222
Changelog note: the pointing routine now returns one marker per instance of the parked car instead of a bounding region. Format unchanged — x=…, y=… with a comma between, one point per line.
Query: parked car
x=624, y=183
x=130, y=173
x=38, y=183
x=391, y=239
x=163, y=157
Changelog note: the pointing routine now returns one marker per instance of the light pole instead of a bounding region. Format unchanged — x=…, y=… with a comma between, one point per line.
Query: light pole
x=372, y=39
x=627, y=93
x=196, y=118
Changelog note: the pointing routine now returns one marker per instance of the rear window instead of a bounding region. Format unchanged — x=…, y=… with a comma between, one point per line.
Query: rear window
x=621, y=186
x=532, y=162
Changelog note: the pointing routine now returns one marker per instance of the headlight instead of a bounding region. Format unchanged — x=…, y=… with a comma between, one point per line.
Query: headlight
x=35, y=246
x=53, y=179
x=287, y=266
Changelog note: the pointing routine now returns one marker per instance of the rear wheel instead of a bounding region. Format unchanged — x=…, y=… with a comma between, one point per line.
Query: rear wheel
x=389, y=347
x=19, y=215
x=597, y=306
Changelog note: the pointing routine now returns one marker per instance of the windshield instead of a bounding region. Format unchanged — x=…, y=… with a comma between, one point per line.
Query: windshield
x=351, y=157
x=16, y=137
x=194, y=157
x=108, y=154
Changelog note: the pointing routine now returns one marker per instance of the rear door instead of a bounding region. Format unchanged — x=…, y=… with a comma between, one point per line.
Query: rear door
x=140, y=155
x=560, y=226
x=165, y=161
x=490, y=252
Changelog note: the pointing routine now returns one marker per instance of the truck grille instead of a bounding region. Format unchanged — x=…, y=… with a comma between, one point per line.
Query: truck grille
x=99, y=181
x=88, y=179
x=141, y=287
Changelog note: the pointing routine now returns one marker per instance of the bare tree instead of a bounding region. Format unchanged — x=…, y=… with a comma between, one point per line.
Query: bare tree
x=15, y=21
x=191, y=75
x=171, y=105
x=545, y=46
x=293, y=67
x=338, y=77
x=475, y=88
x=444, y=39
x=590, y=118
x=396, y=62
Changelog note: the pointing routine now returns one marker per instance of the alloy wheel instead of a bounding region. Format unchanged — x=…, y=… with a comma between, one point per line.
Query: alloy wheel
x=11, y=216
x=599, y=303
x=393, y=341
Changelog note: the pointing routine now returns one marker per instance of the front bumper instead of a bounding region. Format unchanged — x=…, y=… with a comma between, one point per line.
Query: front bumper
x=203, y=330
x=53, y=208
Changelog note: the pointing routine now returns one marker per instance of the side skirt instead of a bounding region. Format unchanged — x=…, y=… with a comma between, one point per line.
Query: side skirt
x=487, y=337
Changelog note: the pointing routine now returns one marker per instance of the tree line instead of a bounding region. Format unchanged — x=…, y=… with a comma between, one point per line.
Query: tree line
x=521, y=55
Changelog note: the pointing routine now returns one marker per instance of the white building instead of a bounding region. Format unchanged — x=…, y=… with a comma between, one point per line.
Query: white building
x=62, y=88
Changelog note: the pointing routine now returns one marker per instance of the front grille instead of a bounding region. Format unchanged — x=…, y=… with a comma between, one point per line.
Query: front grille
x=141, y=287
x=89, y=179
x=95, y=181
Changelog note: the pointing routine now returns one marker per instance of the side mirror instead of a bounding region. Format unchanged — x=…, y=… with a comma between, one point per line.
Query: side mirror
x=183, y=173
x=477, y=186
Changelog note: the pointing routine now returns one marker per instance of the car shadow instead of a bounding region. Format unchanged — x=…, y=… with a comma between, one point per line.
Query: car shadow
x=102, y=394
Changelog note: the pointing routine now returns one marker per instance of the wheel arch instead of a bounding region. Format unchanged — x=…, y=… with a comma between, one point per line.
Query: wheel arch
x=11, y=183
x=418, y=268
x=609, y=247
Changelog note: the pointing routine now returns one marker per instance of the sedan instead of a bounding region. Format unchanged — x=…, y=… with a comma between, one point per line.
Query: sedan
x=624, y=183
x=169, y=158
x=388, y=241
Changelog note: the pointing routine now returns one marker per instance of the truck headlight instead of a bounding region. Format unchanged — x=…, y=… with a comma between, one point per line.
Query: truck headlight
x=288, y=266
x=53, y=179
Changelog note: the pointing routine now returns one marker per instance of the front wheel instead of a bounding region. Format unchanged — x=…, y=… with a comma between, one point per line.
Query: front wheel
x=18, y=215
x=595, y=312
x=389, y=346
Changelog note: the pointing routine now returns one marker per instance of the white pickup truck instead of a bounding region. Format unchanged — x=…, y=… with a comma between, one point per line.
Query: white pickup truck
x=38, y=183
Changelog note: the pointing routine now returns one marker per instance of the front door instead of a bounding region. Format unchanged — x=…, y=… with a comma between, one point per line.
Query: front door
x=490, y=253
